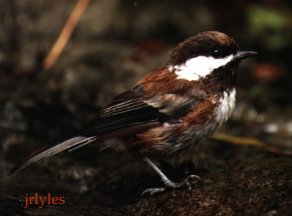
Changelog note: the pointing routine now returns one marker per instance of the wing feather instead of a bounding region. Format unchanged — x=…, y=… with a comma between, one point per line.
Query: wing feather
x=66, y=145
x=135, y=107
x=129, y=113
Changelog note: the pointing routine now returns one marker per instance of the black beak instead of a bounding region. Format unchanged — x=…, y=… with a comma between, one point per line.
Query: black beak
x=244, y=54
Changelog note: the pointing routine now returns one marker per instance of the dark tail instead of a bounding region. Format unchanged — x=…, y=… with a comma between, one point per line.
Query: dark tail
x=70, y=144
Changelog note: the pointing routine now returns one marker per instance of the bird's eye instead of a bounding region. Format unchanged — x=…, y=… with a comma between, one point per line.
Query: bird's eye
x=216, y=53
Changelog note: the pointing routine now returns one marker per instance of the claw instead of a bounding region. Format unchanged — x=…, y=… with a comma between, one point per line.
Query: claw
x=152, y=191
x=172, y=185
x=193, y=177
x=167, y=182
x=190, y=180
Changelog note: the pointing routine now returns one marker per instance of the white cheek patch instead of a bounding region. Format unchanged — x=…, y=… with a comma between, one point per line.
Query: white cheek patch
x=198, y=67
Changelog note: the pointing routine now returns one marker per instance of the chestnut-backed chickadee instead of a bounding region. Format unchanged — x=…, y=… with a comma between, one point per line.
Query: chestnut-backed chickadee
x=171, y=108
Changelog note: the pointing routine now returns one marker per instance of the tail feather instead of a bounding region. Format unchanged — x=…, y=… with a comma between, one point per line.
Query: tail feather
x=70, y=144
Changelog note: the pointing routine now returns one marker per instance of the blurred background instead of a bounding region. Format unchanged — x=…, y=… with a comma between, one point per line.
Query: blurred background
x=113, y=45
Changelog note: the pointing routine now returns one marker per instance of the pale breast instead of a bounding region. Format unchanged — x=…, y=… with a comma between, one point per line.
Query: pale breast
x=226, y=106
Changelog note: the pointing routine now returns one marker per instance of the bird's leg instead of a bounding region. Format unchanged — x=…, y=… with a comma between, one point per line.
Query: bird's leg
x=167, y=182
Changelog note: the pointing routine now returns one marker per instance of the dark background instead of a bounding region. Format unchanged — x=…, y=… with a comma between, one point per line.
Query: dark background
x=115, y=43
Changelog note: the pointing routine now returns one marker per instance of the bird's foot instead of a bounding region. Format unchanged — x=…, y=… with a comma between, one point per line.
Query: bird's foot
x=172, y=185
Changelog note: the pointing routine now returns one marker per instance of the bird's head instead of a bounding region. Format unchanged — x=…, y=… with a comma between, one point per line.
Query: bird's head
x=199, y=56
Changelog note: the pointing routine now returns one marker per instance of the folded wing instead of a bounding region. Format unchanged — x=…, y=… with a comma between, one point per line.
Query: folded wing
x=129, y=113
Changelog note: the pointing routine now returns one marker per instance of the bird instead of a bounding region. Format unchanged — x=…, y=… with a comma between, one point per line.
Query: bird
x=169, y=110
